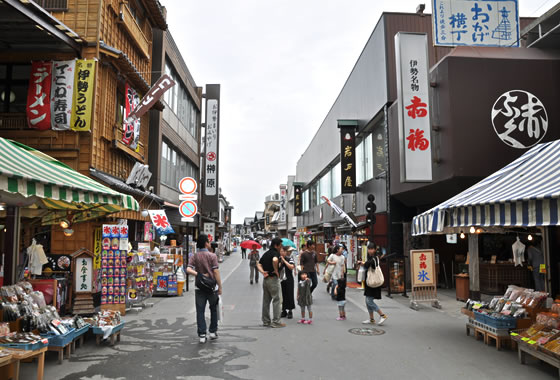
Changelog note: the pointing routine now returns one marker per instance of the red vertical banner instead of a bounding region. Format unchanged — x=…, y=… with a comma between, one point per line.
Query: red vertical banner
x=38, y=96
x=131, y=131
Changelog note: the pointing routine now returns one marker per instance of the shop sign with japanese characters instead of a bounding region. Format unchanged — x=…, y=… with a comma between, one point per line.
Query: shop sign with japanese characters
x=163, y=84
x=39, y=96
x=161, y=223
x=347, y=156
x=476, y=23
x=211, y=161
x=298, y=205
x=82, y=103
x=62, y=92
x=413, y=107
x=423, y=267
x=83, y=274
x=210, y=230
x=131, y=130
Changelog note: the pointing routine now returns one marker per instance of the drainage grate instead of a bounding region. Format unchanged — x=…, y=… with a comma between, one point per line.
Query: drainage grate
x=367, y=331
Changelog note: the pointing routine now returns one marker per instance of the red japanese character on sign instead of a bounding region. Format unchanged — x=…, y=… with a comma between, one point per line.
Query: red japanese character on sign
x=106, y=230
x=161, y=221
x=423, y=265
x=417, y=108
x=115, y=230
x=124, y=230
x=416, y=140
x=38, y=96
x=423, y=257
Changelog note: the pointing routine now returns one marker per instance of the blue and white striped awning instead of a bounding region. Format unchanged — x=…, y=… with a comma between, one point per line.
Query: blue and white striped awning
x=523, y=194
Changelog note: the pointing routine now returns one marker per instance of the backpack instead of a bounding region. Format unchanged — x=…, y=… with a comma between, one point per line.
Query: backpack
x=253, y=259
x=375, y=276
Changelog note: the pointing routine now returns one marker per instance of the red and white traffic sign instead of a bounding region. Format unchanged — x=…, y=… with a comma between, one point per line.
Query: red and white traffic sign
x=188, y=207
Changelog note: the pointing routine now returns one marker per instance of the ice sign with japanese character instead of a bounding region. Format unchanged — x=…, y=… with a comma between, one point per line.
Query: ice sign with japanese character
x=423, y=267
x=476, y=23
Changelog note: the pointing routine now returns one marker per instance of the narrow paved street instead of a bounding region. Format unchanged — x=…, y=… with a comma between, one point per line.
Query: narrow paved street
x=161, y=343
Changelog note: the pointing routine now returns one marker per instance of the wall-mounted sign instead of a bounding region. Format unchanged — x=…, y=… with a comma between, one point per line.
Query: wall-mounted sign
x=298, y=204
x=476, y=23
x=415, y=149
x=211, y=159
x=139, y=176
x=519, y=119
x=62, y=91
x=83, y=275
x=283, y=196
x=188, y=207
x=163, y=84
x=210, y=230
x=348, y=155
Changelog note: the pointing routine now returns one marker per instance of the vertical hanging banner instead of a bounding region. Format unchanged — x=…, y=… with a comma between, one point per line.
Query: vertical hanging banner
x=82, y=102
x=348, y=155
x=39, y=95
x=131, y=130
x=411, y=50
x=298, y=206
x=211, y=176
x=62, y=94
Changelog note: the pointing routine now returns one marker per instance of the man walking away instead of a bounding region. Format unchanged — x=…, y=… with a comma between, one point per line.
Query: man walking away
x=268, y=266
x=205, y=263
x=309, y=264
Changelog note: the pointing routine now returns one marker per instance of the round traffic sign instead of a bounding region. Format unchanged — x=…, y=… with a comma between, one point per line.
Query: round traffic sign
x=187, y=185
x=188, y=209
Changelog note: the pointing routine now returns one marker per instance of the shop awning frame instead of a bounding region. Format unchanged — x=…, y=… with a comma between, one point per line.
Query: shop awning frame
x=522, y=194
x=44, y=182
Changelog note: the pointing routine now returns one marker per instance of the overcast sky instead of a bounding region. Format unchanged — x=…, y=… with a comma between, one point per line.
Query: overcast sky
x=281, y=66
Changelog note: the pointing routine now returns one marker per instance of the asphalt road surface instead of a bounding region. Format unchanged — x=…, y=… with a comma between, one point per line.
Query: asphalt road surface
x=161, y=343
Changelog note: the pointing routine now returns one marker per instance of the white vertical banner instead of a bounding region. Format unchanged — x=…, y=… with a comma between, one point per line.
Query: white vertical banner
x=211, y=159
x=62, y=91
x=411, y=50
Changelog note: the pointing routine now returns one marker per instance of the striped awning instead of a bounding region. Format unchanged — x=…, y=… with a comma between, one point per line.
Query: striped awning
x=32, y=174
x=523, y=194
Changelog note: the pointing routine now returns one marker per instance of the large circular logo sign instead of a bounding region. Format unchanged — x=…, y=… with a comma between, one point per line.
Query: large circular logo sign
x=519, y=119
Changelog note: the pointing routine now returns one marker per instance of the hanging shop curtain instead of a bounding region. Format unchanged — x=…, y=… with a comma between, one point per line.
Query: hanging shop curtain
x=524, y=193
x=28, y=174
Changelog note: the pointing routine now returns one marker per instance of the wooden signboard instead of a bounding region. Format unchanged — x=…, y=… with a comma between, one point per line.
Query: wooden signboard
x=82, y=268
x=424, y=278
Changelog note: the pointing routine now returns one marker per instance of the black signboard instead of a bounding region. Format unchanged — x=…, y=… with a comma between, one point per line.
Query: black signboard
x=348, y=155
x=298, y=204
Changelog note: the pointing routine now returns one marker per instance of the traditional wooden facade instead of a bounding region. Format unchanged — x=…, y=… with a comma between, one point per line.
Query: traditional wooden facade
x=118, y=35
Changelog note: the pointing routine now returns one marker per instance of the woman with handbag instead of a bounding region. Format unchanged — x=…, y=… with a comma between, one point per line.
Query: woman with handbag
x=372, y=285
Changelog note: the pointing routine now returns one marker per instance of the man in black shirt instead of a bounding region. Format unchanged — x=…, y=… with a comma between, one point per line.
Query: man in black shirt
x=268, y=266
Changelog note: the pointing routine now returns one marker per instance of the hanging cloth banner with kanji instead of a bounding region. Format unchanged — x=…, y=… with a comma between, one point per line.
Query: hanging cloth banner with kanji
x=131, y=131
x=38, y=96
x=161, y=223
x=62, y=94
x=163, y=84
x=82, y=102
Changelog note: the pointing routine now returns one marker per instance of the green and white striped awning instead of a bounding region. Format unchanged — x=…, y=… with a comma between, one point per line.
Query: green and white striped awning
x=31, y=174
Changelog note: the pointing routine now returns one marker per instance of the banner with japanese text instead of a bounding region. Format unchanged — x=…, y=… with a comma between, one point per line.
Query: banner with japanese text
x=62, y=93
x=82, y=102
x=348, y=155
x=211, y=162
x=39, y=95
x=476, y=23
x=131, y=130
x=411, y=50
x=161, y=222
x=298, y=200
x=423, y=269
x=159, y=88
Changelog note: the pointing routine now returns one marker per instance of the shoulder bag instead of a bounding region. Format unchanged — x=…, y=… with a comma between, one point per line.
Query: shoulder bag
x=375, y=277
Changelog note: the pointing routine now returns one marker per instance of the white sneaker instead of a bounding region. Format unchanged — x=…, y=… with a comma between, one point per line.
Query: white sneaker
x=213, y=336
x=202, y=339
x=368, y=322
x=383, y=319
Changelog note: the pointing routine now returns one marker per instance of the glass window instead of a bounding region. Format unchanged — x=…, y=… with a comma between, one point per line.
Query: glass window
x=305, y=200
x=22, y=72
x=368, y=157
x=3, y=71
x=14, y=83
x=360, y=163
x=325, y=186
x=119, y=112
x=164, y=162
x=336, y=185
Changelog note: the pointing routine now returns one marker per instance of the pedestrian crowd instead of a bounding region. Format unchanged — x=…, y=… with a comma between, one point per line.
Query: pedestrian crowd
x=279, y=267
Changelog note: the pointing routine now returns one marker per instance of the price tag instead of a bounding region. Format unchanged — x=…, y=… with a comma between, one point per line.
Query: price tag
x=525, y=339
x=514, y=334
x=532, y=342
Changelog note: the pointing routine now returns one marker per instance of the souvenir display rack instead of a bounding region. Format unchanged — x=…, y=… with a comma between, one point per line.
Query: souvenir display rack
x=165, y=266
x=139, y=277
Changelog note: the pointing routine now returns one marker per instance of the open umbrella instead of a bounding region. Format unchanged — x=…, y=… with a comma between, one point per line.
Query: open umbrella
x=288, y=243
x=250, y=244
